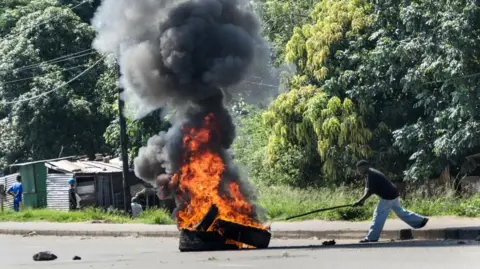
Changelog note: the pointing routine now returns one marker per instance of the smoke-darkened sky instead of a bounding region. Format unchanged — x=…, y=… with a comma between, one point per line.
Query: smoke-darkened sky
x=173, y=52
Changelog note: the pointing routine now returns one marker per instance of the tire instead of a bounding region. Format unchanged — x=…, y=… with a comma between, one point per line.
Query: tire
x=203, y=241
x=208, y=219
x=254, y=237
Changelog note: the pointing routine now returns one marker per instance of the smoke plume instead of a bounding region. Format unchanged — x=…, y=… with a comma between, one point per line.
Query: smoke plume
x=183, y=56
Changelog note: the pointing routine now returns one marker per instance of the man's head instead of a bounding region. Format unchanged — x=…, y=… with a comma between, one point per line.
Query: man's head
x=19, y=179
x=71, y=182
x=362, y=167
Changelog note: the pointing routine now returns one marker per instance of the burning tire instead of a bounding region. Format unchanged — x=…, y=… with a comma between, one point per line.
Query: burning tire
x=208, y=219
x=203, y=241
x=254, y=237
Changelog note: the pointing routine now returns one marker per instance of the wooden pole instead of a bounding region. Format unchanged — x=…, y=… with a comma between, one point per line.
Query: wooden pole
x=123, y=145
x=2, y=196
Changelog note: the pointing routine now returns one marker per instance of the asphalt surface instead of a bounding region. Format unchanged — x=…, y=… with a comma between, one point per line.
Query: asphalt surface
x=130, y=252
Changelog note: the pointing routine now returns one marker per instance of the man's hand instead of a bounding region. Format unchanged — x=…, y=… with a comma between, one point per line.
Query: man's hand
x=359, y=203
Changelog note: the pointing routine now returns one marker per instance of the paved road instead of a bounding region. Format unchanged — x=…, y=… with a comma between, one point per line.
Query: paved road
x=119, y=253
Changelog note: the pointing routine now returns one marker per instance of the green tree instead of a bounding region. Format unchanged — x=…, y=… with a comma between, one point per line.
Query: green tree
x=409, y=66
x=280, y=18
x=442, y=42
x=40, y=120
x=321, y=123
x=138, y=131
x=329, y=132
x=316, y=46
x=83, y=8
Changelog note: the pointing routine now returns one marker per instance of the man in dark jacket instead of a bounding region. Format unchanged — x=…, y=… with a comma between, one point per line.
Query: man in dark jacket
x=378, y=184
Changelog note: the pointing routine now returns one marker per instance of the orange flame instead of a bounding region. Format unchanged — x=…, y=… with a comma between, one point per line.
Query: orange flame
x=200, y=177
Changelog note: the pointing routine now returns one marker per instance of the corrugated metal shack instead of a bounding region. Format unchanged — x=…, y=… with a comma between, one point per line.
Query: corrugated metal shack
x=98, y=184
x=34, y=178
x=57, y=191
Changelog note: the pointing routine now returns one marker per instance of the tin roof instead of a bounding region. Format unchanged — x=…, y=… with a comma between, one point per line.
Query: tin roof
x=84, y=167
x=9, y=176
x=42, y=161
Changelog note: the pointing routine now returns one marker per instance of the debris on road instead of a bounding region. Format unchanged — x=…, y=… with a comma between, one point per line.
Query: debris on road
x=100, y=221
x=77, y=258
x=285, y=254
x=44, y=256
x=30, y=234
x=329, y=243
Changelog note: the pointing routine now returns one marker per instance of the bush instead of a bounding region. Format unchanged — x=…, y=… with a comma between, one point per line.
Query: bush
x=250, y=149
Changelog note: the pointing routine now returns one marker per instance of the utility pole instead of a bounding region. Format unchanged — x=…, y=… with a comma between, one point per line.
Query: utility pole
x=123, y=143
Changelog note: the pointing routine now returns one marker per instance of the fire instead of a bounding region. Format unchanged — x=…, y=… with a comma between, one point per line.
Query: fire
x=200, y=177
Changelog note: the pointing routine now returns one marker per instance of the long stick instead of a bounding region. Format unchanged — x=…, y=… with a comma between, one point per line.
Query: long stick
x=316, y=211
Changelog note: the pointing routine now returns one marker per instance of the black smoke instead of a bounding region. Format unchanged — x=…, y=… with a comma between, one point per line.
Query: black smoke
x=183, y=56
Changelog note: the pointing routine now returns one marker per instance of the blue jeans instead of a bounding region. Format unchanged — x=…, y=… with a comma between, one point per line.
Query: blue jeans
x=381, y=214
x=16, y=206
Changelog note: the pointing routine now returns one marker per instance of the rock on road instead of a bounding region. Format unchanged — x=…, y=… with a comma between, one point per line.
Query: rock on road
x=119, y=253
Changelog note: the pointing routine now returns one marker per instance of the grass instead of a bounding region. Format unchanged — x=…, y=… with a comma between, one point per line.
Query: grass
x=147, y=217
x=279, y=203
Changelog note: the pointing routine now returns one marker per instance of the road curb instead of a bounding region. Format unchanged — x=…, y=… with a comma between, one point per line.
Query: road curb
x=25, y=232
x=406, y=234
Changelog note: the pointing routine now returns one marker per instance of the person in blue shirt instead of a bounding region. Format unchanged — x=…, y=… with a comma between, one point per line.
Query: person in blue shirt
x=16, y=190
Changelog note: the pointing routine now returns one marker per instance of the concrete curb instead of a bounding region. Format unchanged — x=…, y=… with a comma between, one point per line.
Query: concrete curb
x=406, y=234
x=24, y=232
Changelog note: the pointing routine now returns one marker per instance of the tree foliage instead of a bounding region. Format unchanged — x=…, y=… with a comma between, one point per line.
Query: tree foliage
x=40, y=123
x=44, y=45
x=328, y=130
x=410, y=69
x=313, y=46
x=279, y=20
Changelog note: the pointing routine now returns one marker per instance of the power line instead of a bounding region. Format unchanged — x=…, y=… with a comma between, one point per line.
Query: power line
x=261, y=84
x=59, y=59
x=426, y=83
x=453, y=78
x=56, y=60
x=27, y=78
x=57, y=88
x=84, y=2
x=72, y=8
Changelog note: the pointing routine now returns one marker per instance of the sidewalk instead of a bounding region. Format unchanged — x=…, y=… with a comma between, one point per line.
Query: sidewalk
x=438, y=228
